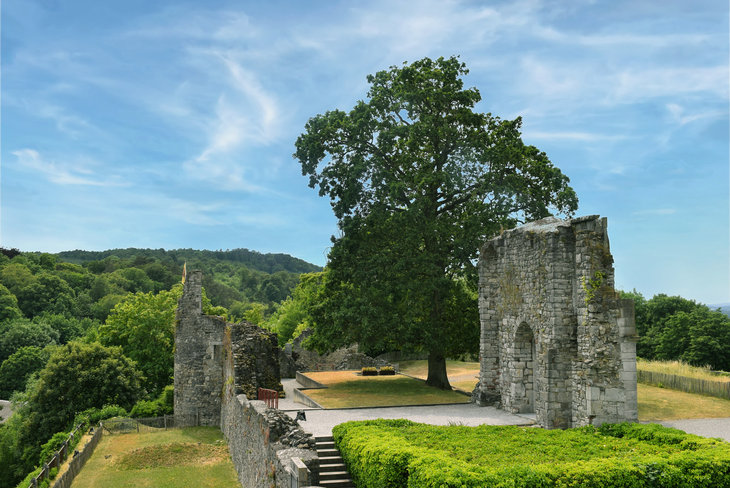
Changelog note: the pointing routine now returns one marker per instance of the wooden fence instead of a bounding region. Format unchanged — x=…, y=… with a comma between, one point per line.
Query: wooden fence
x=683, y=383
x=78, y=461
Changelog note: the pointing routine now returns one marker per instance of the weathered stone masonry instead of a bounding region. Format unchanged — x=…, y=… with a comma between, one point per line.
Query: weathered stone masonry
x=198, y=358
x=555, y=337
x=218, y=370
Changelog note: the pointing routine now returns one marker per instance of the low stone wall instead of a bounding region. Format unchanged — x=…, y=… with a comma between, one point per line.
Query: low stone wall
x=308, y=382
x=263, y=443
x=78, y=461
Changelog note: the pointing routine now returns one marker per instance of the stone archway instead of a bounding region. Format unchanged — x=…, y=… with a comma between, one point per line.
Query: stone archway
x=523, y=370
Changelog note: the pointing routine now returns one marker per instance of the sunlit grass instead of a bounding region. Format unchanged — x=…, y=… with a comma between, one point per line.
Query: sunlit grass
x=162, y=459
x=346, y=389
x=664, y=404
x=680, y=368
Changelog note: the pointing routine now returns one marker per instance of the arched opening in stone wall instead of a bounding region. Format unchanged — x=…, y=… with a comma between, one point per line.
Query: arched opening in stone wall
x=523, y=372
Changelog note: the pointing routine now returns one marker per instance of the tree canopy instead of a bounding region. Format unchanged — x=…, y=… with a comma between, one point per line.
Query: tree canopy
x=418, y=180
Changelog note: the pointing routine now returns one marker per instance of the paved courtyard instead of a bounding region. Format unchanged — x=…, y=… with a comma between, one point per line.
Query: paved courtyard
x=320, y=422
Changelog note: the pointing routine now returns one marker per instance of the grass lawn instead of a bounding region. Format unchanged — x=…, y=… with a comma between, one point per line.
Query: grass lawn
x=196, y=456
x=665, y=404
x=347, y=389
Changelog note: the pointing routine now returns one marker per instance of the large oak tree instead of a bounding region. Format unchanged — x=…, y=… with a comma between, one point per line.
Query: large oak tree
x=418, y=180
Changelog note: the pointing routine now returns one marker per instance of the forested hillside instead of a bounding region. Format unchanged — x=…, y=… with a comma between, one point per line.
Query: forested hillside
x=85, y=330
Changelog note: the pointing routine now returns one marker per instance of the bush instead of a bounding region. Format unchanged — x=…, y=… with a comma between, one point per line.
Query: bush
x=386, y=371
x=93, y=416
x=369, y=371
x=163, y=405
x=400, y=453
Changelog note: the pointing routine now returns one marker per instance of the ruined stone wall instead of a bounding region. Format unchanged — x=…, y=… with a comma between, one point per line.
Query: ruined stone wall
x=218, y=366
x=255, y=353
x=262, y=441
x=198, y=358
x=555, y=339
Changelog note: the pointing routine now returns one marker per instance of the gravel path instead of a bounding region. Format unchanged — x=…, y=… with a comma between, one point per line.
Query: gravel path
x=704, y=427
x=320, y=422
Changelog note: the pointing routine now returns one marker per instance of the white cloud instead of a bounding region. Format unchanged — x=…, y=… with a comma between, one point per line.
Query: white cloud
x=60, y=173
x=680, y=116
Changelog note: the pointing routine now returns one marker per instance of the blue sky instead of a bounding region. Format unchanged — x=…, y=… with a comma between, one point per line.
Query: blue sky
x=172, y=124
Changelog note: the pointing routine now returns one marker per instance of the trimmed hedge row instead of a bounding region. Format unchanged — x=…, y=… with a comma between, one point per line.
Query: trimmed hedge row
x=401, y=453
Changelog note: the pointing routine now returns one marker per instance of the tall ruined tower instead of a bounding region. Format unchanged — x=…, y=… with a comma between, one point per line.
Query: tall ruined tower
x=557, y=340
x=198, y=358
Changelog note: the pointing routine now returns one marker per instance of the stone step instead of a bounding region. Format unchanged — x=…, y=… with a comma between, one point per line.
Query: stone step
x=336, y=484
x=332, y=470
x=325, y=460
x=327, y=468
x=334, y=475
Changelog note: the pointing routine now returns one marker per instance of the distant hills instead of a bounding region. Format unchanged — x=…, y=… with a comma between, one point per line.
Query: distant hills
x=267, y=263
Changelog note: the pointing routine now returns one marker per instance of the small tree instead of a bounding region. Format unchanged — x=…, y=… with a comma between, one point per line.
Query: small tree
x=77, y=377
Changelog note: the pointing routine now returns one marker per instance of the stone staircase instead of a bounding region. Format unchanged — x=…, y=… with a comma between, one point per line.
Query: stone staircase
x=332, y=470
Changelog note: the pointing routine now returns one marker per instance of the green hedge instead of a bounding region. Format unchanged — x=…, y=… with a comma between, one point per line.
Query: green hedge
x=400, y=453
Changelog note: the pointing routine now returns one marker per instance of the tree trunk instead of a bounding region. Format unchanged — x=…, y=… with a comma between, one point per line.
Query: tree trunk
x=437, y=371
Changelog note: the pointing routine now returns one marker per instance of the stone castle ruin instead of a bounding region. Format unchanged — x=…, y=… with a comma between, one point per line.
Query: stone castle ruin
x=218, y=370
x=556, y=339
x=205, y=345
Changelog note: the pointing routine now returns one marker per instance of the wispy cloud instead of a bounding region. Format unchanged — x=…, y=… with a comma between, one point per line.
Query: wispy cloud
x=62, y=173
x=681, y=116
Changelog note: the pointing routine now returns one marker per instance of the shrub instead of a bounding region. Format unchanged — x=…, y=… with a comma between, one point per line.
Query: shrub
x=387, y=371
x=400, y=453
x=369, y=371
x=92, y=416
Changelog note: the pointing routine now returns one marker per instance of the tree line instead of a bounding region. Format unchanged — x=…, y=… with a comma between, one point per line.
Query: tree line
x=99, y=333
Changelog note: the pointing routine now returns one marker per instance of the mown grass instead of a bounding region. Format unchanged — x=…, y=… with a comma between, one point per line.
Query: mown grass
x=664, y=404
x=196, y=456
x=346, y=389
x=453, y=368
x=680, y=368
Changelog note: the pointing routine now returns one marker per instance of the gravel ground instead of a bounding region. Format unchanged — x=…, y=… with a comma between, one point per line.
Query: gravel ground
x=704, y=427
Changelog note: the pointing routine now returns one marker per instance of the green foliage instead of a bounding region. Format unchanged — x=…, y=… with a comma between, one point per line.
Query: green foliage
x=418, y=180
x=79, y=376
x=674, y=328
x=162, y=405
x=400, y=453
x=51, y=446
x=21, y=333
x=92, y=416
x=47, y=293
x=143, y=325
x=16, y=369
x=293, y=313
x=9, y=309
